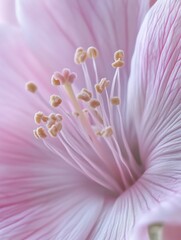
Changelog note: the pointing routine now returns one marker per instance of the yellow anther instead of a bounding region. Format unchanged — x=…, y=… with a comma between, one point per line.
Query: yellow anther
x=55, y=81
x=59, y=117
x=79, y=50
x=58, y=125
x=50, y=123
x=118, y=63
x=44, y=118
x=115, y=100
x=55, y=100
x=107, y=132
x=38, y=117
x=118, y=55
x=55, y=129
x=84, y=95
x=80, y=56
x=102, y=85
x=52, y=116
x=41, y=132
x=92, y=52
x=31, y=87
x=94, y=103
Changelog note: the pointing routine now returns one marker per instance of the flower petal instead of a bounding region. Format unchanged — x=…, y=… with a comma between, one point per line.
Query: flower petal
x=154, y=94
x=40, y=195
x=8, y=12
x=55, y=28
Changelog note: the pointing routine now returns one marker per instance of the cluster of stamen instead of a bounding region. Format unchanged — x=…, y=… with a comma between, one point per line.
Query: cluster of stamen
x=53, y=124
x=91, y=105
x=89, y=116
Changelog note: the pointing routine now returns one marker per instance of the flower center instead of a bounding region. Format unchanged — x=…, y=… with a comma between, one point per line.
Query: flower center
x=89, y=124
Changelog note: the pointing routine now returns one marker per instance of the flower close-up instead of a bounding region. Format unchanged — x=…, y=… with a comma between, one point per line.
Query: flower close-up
x=90, y=133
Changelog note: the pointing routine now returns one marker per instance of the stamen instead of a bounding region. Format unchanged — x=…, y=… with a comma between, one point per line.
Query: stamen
x=56, y=79
x=84, y=95
x=44, y=118
x=102, y=85
x=118, y=63
x=94, y=103
x=99, y=115
x=59, y=117
x=31, y=87
x=115, y=100
x=52, y=116
x=38, y=117
x=52, y=119
x=55, y=129
x=92, y=52
x=80, y=56
x=55, y=100
x=107, y=132
x=118, y=59
x=119, y=54
x=41, y=133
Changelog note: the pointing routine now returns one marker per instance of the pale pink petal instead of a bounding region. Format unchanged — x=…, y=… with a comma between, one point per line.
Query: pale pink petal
x=40, y=195
x=155, y=96
x=56, y=28
x=8, y=12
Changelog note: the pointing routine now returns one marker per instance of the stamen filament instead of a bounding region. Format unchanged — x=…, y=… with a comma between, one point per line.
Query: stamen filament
x=85, y=123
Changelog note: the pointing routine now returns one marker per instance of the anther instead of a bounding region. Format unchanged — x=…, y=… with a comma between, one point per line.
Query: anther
x=31, y=87
x=44, y=118
x=56, y=79
x=51, y=120
x=41, y=132
x=94, y=103
x=118, y=55
x=59, y=117
x=55, y=100
x=102, y=85
x=115, y=100
x=38, y=117
x=118, y=63
x=55, y=129
x=107, y=132
x=92, y=52
x=80, y=56
x=84, y=95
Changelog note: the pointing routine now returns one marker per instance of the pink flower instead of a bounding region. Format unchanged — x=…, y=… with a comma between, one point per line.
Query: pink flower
x=103, y=171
